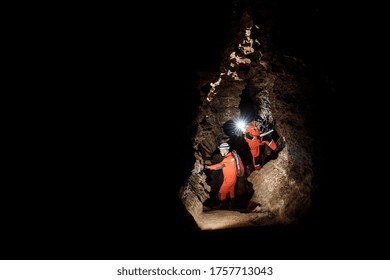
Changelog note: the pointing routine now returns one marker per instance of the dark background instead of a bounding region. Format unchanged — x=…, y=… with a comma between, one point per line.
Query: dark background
x=115, y=147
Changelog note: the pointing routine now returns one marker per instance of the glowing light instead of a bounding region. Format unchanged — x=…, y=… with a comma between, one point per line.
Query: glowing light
x=240, y=124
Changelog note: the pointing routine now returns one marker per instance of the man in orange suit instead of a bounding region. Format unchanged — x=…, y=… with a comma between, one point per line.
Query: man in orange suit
x=254, y=139
x=231, y=166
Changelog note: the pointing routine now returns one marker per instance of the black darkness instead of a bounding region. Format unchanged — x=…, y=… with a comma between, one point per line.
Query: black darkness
x=125, y=145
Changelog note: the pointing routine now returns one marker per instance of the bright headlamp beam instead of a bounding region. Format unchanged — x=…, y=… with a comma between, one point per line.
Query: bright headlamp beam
x=240, y=125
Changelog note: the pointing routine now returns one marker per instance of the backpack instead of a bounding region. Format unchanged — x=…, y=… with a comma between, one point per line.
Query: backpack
x=239, y=164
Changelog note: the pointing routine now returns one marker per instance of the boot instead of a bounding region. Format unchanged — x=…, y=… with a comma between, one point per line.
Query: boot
x=231, y=203
x=222, y=205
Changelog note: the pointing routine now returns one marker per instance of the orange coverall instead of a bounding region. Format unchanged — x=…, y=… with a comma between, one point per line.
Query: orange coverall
x=252, y=137
x=229, y=170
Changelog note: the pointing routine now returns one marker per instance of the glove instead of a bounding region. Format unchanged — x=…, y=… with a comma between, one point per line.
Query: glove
x=206, y=167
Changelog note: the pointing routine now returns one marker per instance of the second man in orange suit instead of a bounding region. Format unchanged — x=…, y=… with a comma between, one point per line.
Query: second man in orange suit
x=255, y=140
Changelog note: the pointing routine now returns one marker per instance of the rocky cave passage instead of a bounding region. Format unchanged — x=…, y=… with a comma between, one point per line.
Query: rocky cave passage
x=254, y=79
x=243, y=189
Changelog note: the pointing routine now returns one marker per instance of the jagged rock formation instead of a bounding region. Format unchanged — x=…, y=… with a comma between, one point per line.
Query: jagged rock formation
x=254, y=79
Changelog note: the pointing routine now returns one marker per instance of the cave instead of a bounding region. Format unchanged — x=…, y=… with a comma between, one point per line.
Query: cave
x=255, y=77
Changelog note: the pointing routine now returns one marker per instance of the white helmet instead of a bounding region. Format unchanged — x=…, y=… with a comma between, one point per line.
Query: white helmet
x=224, y=146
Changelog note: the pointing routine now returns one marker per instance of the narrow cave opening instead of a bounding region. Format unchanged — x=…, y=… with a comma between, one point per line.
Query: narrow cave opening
x=249, y=111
